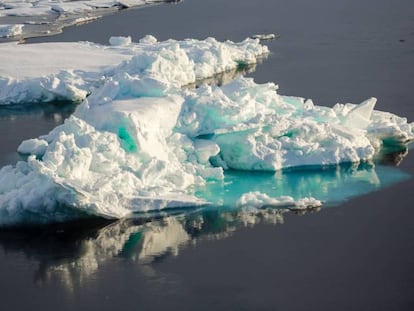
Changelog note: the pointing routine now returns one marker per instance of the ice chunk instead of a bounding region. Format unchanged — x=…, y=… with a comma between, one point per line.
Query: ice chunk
x=263, y=37
x=148, y=39
x=11, y=30
x=33, y=146
x=120, y=41
x=258, y=199
x=205, y=149
x=360, y=116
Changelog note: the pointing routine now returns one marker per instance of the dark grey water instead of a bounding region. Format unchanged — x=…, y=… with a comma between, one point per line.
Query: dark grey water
x=355, y=256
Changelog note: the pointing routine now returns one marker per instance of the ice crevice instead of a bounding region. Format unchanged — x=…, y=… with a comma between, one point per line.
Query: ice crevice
x=140, y=141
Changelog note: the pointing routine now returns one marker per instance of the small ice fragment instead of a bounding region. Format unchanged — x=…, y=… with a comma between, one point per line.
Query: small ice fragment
x=264, y=37
x=360, y=116
x=306, y=203
x=205, y=149
x=7, y=31
x=148, y=39
x=258, y=199
x=85, y=19
x=120, y=41
x=34, y=146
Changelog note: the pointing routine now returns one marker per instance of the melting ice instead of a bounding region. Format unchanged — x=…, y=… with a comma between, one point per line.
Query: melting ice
x=141, y=141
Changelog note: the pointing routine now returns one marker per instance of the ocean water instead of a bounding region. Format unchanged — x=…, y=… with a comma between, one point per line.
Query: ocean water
x=357, y=253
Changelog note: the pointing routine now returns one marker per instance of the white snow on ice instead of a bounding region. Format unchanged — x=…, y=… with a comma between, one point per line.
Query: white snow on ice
x=140, y=141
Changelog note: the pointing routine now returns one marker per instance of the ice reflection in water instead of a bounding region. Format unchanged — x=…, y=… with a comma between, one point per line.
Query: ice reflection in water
x=72, y=253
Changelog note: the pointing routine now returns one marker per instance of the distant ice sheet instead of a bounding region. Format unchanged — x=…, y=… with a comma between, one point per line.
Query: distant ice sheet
x=45, y=7
x=54, y=15
x=139, y=141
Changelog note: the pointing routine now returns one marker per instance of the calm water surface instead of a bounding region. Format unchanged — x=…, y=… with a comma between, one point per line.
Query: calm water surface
x=357, y=255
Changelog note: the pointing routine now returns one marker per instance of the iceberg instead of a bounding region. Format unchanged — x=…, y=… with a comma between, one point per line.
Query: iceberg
x=143, y=139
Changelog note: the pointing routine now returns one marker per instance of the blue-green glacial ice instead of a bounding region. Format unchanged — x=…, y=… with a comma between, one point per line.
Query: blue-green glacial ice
x=142, y=139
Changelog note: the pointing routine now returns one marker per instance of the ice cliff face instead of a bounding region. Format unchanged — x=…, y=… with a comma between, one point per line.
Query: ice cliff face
x=140, y=141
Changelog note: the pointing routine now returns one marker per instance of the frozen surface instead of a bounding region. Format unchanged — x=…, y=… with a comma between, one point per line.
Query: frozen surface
x=140, y=141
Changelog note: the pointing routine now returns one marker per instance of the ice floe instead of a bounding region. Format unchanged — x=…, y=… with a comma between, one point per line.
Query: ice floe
x=50, y=71
x=141, y=141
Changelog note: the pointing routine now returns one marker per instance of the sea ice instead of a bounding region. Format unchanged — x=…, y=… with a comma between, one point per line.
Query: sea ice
x=140, y=141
